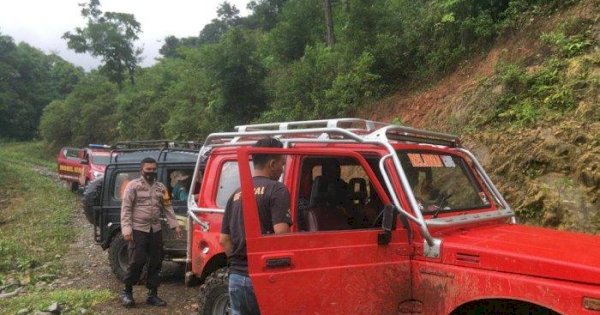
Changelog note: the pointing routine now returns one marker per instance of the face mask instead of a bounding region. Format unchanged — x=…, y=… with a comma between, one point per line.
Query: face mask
x=149, y=176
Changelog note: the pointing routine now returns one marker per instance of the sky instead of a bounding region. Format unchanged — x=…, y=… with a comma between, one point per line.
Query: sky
x=41, y=23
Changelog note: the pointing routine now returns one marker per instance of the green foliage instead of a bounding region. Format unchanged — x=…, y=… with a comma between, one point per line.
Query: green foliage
x=528, y=95
x=572, y=38
x=111, y=36
x=274, y=65
x=85, y=116
x=300, y=26
x=71, y=301
x=29, y=80
x=35, y=221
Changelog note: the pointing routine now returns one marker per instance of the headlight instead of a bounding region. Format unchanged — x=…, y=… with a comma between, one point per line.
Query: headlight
x=97, y=174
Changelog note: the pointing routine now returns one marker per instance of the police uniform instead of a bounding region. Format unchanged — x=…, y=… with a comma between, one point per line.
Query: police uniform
x=140, y=215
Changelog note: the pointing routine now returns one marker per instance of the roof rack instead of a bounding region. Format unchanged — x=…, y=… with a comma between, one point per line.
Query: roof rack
x=163, y=147
x=98, y=146
x=156, y=144
x=331, y=130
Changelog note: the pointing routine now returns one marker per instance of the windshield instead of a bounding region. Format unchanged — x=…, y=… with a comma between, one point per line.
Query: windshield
x=442, y=182
x=101, y=159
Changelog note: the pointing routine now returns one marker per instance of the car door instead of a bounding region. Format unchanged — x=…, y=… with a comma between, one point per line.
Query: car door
x=334, y=271
x=116, y=178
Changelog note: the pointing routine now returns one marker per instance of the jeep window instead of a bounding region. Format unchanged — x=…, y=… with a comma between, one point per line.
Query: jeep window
x=336, y=194
x=121, y=181
x=178, y=183
x=71, y=154
x=442, y=182
x=100, y=159
x=229, y=181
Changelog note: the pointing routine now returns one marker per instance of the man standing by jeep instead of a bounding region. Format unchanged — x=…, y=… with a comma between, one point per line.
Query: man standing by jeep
x=273, y=201
x=141, y=209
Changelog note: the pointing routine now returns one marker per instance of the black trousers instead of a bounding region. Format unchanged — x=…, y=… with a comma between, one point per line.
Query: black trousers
x=145, y=247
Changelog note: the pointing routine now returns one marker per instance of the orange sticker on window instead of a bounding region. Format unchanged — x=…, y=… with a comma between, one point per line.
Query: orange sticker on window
x=425, y=160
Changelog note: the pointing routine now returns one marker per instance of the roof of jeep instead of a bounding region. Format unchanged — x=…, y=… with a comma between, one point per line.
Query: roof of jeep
x=161, y=156
x=352, y=131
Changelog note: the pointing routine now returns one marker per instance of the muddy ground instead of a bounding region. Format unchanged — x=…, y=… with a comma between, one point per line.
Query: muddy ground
x=86, y=266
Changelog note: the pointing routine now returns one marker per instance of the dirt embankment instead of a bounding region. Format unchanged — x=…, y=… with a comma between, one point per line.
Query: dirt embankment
x=549, y=170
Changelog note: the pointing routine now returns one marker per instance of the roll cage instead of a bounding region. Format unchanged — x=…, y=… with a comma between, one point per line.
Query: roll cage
x=359, y=131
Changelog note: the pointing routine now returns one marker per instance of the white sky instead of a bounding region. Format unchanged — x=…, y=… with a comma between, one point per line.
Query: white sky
x=41, y=23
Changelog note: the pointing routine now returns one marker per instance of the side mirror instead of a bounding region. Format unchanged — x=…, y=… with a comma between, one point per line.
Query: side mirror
x=84, y=162
x=388, y=224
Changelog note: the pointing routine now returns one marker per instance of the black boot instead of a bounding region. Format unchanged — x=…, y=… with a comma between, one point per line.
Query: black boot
x=127, y=297
x=153, y=298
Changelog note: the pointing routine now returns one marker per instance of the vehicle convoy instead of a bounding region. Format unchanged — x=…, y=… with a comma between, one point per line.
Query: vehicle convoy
x=79, y=166
x=411, y=225
x=102, y=199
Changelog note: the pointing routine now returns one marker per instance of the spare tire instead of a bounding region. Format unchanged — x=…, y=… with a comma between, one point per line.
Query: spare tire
x=91, y=197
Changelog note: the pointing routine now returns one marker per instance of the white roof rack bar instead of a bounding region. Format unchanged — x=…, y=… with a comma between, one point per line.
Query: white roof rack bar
x=346, y=123
x=324, y=129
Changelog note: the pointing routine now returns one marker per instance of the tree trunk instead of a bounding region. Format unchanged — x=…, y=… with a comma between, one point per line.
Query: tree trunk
x=329, y=35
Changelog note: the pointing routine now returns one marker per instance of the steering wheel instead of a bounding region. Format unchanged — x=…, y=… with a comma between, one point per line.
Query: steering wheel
x=441, y=202
x=378, y=220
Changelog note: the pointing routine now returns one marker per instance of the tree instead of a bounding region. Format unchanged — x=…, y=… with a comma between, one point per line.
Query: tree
x=111, y=36
x=329, y=35
x=29, y=80
x=228, y=16
x=265, y=13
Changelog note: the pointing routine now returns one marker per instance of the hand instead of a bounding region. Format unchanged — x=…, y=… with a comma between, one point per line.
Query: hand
x=127, y=236
x=178, y=232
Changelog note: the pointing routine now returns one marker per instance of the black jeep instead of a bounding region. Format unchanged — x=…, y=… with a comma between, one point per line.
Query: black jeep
x=102, y=198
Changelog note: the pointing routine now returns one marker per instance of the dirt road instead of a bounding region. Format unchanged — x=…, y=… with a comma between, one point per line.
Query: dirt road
x=86, y=266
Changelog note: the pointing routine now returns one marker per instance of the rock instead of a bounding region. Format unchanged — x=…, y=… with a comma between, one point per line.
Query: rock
x=42, y=313
x=23, y=311
x=83, y=311
x=10, y=294
x=54, y=308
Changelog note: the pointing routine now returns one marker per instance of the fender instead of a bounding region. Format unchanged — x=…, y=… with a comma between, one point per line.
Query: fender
x=112, y=231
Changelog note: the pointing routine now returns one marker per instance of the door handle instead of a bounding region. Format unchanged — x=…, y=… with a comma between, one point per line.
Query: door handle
x=279, y=262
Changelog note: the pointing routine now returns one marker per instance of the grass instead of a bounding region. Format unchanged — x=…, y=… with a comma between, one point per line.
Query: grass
x=70, y=301
x=35, y=227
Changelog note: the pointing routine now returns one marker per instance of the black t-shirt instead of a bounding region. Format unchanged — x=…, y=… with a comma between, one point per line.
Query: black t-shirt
x=273, y=200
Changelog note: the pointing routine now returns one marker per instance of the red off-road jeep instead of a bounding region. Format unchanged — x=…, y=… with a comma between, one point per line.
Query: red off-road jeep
x=78, y=166
x=387, y=220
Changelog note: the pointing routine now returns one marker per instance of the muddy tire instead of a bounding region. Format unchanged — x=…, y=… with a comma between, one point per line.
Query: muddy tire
x=118, y=256
x=214, y=294
x=91, y=198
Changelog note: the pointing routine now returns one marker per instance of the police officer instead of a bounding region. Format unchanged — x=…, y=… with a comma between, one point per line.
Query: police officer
x=141, y=208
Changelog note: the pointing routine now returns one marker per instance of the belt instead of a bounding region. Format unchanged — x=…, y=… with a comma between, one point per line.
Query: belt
x=154, y=221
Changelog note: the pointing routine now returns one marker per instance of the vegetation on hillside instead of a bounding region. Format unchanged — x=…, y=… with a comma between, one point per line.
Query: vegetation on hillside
x=529, y=109
x=35, y=232
x=29, y=80
x=275, y=65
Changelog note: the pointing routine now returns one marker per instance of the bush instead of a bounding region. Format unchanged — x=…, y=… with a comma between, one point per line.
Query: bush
x=572, y=38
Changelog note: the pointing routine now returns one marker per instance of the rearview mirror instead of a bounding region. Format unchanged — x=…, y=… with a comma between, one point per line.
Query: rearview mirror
x=388, y=222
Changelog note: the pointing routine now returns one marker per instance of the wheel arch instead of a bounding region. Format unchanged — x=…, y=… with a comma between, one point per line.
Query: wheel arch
x=512, y=305
x=215, y=263
x=111, y=235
